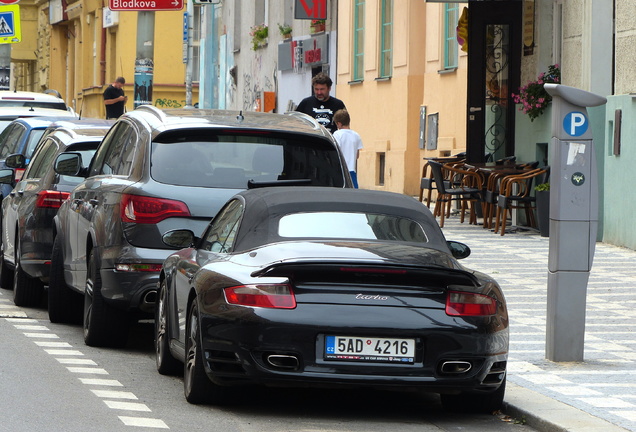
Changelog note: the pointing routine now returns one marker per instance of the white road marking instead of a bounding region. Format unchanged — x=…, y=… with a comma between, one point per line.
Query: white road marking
x=76, y=361
x=114, y=394
x=64, y=352
x=128, y=406
x=31, y=327
x=101, y=382
x=85, y=370
x=143, y=422
x=42, y=335
x=53, y=344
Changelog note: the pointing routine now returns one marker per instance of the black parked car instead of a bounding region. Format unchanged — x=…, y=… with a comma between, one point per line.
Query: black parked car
x=160, y=170
x=329, y=287
x=28, y=210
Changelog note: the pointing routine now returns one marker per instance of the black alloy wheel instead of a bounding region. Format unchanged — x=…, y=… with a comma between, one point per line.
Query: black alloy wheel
x=27, y=291
x=103, y=324
x=166, y=363
x=197, y=386
x=65, y=305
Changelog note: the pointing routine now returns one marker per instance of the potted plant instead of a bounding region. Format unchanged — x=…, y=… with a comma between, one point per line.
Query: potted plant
x=285, y=31
x=317, y=26
x=259, y=35
x=533, y=97
x=542, y=195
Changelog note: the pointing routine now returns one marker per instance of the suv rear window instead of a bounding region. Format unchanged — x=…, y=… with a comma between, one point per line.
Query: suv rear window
x=231, y=160
x=29, y=103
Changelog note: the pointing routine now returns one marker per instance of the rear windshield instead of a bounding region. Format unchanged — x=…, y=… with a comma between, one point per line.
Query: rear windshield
x=345, y=225
x=230, y=161
x=29, y=103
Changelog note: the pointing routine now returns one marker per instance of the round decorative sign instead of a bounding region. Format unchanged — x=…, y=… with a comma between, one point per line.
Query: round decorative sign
x=578, y=179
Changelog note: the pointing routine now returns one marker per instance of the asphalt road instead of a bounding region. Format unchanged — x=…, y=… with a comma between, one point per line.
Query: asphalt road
x=51, y=381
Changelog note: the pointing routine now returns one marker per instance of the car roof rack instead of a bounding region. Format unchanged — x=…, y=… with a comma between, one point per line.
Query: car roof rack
x=161, y=116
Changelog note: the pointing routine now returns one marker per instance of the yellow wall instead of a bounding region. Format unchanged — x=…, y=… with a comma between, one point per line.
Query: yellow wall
x=444, y=92
x=78, y=71
x=385, y=112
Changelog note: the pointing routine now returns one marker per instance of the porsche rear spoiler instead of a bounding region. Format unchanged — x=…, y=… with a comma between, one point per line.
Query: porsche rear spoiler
x=369, y=273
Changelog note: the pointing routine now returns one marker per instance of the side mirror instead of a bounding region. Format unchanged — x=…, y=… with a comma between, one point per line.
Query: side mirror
x=458, y=250
x=181, y=238
x=16, y=160
x=69, y=164
x=7, y=176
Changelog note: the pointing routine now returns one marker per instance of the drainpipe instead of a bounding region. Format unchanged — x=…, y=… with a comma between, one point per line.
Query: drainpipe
x=102, y=58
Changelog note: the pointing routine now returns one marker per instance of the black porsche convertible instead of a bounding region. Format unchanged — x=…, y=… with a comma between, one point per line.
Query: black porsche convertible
x=303, y=286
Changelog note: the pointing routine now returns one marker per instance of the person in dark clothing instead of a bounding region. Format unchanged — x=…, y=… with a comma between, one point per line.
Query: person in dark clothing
x=321, y=106
x=114, y=99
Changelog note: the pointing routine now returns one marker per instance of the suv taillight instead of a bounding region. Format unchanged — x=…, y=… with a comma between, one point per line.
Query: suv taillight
x=51, y=199
x=149, y=210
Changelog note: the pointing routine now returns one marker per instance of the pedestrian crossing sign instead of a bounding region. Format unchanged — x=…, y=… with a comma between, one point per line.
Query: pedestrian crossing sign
x=10, y=24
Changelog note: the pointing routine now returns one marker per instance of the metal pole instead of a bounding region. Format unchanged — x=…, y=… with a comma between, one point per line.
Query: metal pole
x=190, y=53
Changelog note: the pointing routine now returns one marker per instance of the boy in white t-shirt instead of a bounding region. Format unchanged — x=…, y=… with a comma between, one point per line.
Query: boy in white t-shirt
x=349, y=141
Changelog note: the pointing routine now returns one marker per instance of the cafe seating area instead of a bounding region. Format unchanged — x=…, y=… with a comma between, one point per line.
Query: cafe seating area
x=499, y=192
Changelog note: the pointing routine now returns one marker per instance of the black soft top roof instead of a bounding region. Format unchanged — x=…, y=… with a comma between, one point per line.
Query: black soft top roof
x=265, y=206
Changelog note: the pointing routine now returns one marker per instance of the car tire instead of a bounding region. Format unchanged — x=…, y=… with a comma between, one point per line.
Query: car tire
x=65, y=305
x=27, y=291
x=166, y=363
x=475, y=402
x=104, y=325
x=6, y=275
x=198, y=388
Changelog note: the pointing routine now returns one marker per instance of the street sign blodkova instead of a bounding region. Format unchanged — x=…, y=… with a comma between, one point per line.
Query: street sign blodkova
x=10, y=24
x=145, y=5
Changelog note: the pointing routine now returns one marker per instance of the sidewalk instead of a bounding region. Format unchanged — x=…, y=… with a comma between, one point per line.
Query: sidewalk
x=598, y=394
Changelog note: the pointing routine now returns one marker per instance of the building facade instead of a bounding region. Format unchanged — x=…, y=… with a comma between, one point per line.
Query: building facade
x=79, y=47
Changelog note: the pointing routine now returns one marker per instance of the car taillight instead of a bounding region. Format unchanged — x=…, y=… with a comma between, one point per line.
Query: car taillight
x=138, y=267
x=279, y=296
x=19, y=172
x=51, y=199
x=469, y=304
x=149, y=210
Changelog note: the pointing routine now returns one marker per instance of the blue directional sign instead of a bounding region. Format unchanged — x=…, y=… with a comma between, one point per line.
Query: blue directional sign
x=575, y=123
x=10, y=24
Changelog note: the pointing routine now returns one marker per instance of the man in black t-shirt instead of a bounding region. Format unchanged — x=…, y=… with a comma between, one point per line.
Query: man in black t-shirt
x=321, y=106
x=114, y=99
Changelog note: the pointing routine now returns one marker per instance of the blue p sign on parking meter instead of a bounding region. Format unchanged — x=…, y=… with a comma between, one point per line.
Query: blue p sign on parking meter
x=575, y=123
x=573, y=220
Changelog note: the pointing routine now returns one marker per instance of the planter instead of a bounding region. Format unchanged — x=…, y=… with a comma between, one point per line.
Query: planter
x=317, y=27
x=543, y=212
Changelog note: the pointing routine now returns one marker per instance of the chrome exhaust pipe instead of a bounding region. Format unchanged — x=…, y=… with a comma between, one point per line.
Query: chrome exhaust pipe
x=148, y=301
x=282, y=361
x=456, y=367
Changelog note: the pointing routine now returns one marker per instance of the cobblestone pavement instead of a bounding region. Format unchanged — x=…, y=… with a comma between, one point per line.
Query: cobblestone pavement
x=604, y=384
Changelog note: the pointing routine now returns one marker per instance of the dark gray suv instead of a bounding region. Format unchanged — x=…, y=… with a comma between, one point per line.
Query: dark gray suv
x=157, y=171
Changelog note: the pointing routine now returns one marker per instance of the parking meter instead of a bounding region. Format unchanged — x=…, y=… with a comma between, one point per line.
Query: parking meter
x=573, y=220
